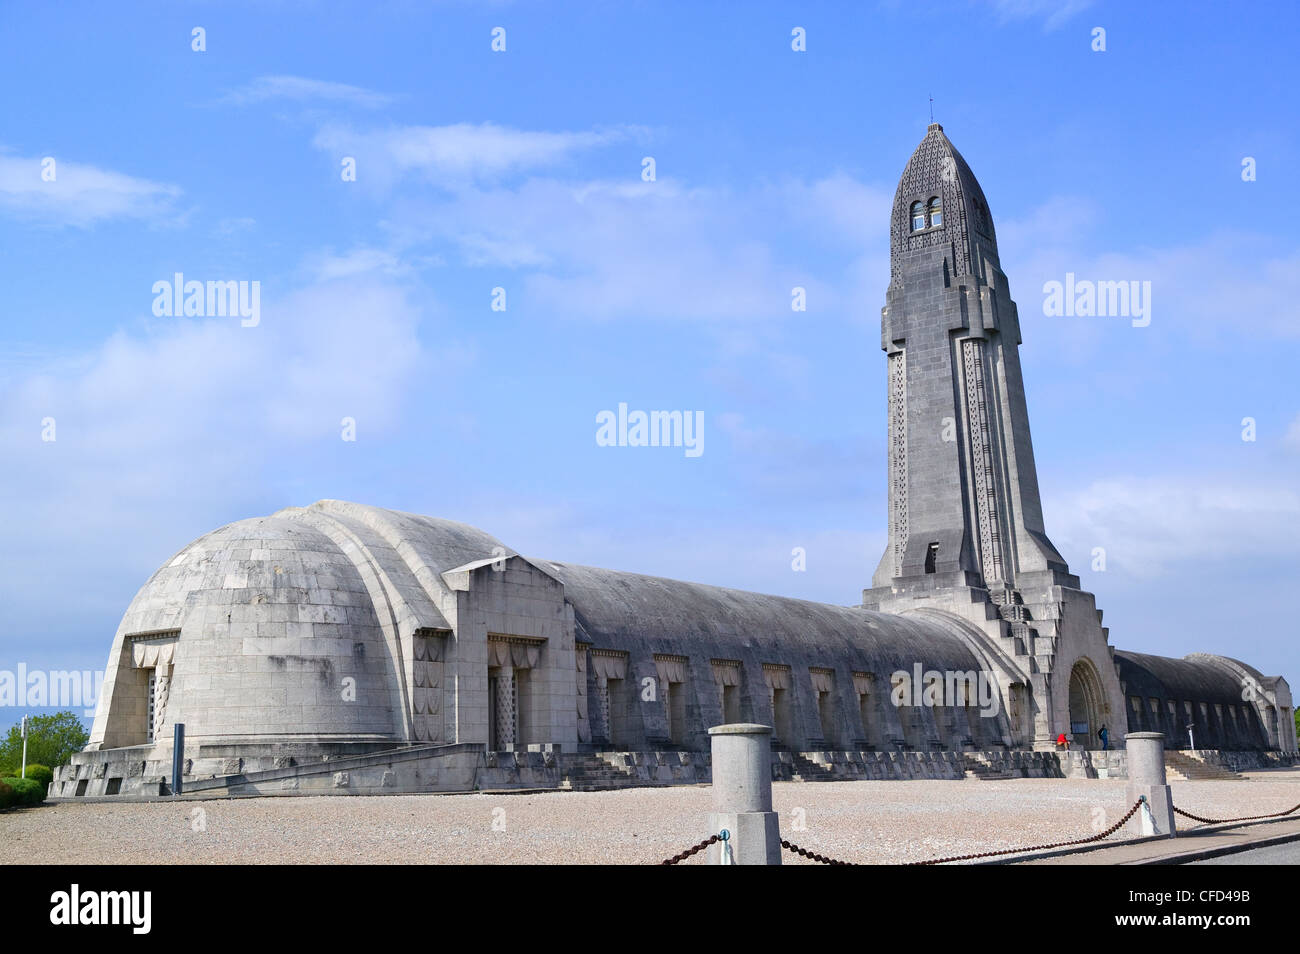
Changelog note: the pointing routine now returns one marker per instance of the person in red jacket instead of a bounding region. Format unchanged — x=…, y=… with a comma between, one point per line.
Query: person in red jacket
x=1062, y=742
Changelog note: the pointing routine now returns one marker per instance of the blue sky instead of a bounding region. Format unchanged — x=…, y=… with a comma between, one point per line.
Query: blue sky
x=522, y=170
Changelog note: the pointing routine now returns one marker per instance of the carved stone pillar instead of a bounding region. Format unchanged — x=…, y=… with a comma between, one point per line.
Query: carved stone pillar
x=505, y=703
x=161, y=690
x=602, y=701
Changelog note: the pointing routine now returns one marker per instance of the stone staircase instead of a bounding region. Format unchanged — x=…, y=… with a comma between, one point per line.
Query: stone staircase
x=806, y=770
x=990, y=776
x=1184, y=768
x=599, y=771
x=595, y=773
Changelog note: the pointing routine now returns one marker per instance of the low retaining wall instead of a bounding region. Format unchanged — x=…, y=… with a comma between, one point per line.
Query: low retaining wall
x=850, y=766
x=1095, y=763
x=341, y=769
x=309, y=768
x=1244, y=761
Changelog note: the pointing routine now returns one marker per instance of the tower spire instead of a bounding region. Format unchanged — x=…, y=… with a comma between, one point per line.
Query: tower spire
x=964, y=508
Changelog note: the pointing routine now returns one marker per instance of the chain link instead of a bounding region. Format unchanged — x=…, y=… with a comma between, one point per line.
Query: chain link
x=1224, y=821
x=821, y=859
x=1059, y=844
x=694, y=849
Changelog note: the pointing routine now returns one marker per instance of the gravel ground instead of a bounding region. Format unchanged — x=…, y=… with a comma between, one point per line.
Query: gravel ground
x=877, y=822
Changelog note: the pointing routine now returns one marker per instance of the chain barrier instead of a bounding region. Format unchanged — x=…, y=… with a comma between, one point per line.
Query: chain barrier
x=821, y=859
x=695, y=849
x=804, y=852
x=1224, y=821
x=1059, y=844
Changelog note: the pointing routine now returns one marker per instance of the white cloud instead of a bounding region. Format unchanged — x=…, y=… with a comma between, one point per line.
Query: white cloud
x=1223, y=286
x=179, y=426
x=1053, y=226
x=452, y=156
x=849, y=211
x=300, y=89
x=838, y=561
x=1150, y=525
x=609, y=249
x=327, y=266
x=235, y=226
x=1227, y=284
x=80, y=194
x=1292, y=437
x=1054, y=13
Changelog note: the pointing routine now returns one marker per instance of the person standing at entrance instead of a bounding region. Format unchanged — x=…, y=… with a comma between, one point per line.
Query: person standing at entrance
x=1104, y=735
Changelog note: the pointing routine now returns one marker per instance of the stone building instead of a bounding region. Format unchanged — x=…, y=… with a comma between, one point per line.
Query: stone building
x=345, y=647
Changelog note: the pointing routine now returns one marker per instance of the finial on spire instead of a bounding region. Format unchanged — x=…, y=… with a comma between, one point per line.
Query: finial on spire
x=931, y=110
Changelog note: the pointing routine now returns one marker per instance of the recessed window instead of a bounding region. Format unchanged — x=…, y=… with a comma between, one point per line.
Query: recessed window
x=152, y=704
x=931, y=555
x=934, y=212
x=918, y=216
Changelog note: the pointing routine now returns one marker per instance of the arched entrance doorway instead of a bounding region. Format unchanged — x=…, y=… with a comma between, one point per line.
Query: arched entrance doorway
x=1087, y=706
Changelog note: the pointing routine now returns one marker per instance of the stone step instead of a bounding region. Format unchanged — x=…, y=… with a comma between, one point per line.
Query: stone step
x=597, y=772
x=1184, y=768
x=806, y=770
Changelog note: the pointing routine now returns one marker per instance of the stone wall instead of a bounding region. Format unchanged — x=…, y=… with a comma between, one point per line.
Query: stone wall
x=1244, y=761
x=466, y=767
x=1081, y=763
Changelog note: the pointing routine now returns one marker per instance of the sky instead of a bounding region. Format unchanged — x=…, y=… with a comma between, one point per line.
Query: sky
x=1169, y=156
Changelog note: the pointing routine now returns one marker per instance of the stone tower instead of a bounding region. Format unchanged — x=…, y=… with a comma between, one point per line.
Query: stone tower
x=966, y=531
x=963, y=492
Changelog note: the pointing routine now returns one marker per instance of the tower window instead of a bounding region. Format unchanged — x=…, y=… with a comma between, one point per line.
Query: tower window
x=918, y=216
x=934, y=212
x=151, y=704
x=931, y=555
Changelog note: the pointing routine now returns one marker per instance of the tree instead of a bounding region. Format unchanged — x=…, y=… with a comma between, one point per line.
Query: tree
x=51, y=740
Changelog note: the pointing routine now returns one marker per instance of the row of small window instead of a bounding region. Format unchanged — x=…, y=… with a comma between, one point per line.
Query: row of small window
x=927, y=214
x=1189, y=710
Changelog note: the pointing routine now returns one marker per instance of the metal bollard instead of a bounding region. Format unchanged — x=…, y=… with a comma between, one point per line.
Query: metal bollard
x=178, y=756
x=742, y=796
x=1146, y=780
